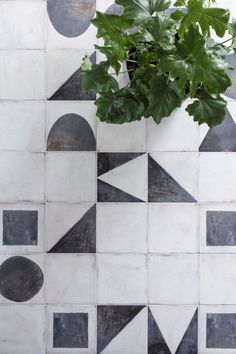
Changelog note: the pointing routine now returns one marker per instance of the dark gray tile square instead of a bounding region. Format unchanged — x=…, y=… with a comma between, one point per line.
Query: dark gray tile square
x=221, y=228
x=20, y=227
x=70, y=330
x=221, y=330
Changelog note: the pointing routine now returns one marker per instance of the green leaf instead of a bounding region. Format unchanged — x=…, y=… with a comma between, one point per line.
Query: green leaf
x=208, y=110
x=216, y=18
x=177, y=15
x=119, y=107
x=98, y=79
x=180, y=3
x=164, y=98
x=177, y=67
x=142, y=9
x=162, y=31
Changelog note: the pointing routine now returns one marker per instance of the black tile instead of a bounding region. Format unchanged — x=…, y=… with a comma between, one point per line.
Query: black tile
x=72, y=89
x=71, y=18
x=189, y=342
x=108, y=193
x=20, y=227
x=20, y=279
x=81, y=238
x=162, y=188
x=221, y=228
x=107, y=161
x=71, y=132
x=110, y=322
x=70, y=330
x=156, y=342
x=221, y=330
x=221, y=138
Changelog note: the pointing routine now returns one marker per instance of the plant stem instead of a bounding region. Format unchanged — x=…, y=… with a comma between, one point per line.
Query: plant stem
x=132, y=61
x=227, y=40
x=122, y=72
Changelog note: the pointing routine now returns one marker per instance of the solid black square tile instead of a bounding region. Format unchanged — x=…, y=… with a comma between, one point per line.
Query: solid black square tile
x=20, y=227
x=70, y=330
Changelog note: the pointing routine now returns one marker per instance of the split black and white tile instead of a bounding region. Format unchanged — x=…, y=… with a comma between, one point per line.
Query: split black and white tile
x=231, y=93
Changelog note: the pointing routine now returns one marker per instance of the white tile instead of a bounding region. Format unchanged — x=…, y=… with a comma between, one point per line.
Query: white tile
x=71, y=176
x=172, y=228
x=204, y=208
x=227, y=336
x=132, y=339
x=121, y=279
x=173, y=279
x=90, y=310
x=22, y=329
x=22, y=75
x=39, y=260
x=117, y=137
x=22, y=126
x=217, y=176
x=22, y=25
x=61, y=218
x=121, y=227
x=217, y=279
x=56, y=110
x=70, y=278
x=178, y=132
x=6, y=249
x=22, y=175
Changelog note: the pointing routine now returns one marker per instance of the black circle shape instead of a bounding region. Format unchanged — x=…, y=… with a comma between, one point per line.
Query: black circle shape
x=20, y=279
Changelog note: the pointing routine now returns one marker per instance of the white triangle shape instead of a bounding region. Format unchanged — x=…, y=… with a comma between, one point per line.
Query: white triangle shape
x=132, y=339
x=130, y=177
x=173, y=322
x=180, y=166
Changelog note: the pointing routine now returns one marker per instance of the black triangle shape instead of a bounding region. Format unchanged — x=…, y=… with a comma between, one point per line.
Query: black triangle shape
x=111, y=320
x=156, y=342
x=162, y=188
x=81, y=238
x=109, y=193
x=189, y=343
x=107, y=161
x=72, y=88
x=222, y=137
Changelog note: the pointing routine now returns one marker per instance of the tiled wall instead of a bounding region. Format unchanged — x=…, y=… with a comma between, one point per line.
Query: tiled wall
x=113, y=239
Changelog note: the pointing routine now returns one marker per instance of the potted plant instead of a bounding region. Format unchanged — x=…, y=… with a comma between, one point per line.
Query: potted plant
x=170, y=55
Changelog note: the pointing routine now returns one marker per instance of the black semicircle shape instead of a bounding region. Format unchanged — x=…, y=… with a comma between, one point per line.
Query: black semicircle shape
x=71, y=132
x=20, y=279
x=71, y=18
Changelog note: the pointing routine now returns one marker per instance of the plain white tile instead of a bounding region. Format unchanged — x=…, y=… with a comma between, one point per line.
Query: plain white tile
x=121, y=227
x=173, y=279
x=21, y=176
x=217, y=174
x=22, y=329
x=178, y=132
x=71, y=176
x=22, y=75
x=217, y=279
x=6, y=249
x=22, y=25
x=121, y=279
x=70, y=278
x=64, y=308
x=172, y=228
x=22, y=126
x=128, y=137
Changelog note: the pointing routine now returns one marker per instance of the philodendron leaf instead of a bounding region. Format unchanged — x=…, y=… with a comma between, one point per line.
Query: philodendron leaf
x=164, y=98
x=98, y=79
x=120, y=107
x=142, y=9
x=87, y=64
x=161, y=30
x=208, y=110
x=207, y=18
x=177, y=67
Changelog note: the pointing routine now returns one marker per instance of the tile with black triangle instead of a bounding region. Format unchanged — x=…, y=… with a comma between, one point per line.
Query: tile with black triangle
x=121, y=329
x=71, y=228
x=65, y=78
x=172, y=329
x=122, y=177
x=223, y=136
x=172, y=177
